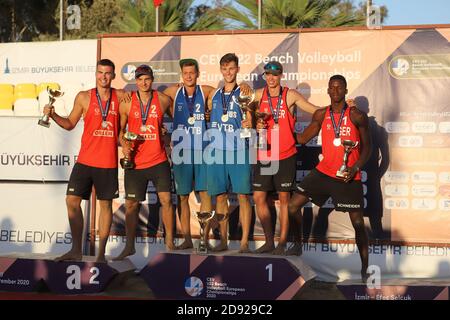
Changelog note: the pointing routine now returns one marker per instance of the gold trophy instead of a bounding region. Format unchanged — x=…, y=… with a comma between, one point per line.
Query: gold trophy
x=244, y=102
x=52, y=94
x=262, y=117
x=127, y=162
x=348, y=146
x=203, y=218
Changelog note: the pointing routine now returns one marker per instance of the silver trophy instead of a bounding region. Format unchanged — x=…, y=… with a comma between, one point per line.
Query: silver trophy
x=348, y=146
x=52, y=95
x=262, y=117
x=244, y=102
x=127, y=162
x=203, y=218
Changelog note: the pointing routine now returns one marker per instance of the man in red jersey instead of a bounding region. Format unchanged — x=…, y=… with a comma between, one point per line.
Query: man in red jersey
x=97, y=161
x=275, y=169
x=143, y=115
x=340, y=125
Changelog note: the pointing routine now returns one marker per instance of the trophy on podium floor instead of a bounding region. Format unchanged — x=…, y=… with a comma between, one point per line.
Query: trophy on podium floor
x=348, y=146
x=52, y=95
x=262, y=133
x=203, y=218
x=244, y=102
x=127, y=162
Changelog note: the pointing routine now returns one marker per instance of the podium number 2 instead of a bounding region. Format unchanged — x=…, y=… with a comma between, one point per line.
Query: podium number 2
x=74, y=280
x=269, y=268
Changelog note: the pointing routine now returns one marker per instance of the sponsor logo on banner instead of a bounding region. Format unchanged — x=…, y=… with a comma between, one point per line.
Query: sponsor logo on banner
x=397, y=127
x=424, y=127
x=396, y=203
x=193, y=286
x=424, y=190
x=444, y=204
x=424, y=204
x=444, y=127
x=396, y=177
x=420, y=66
x=423, y=177
x=166, y=71
x=396, y=190
x=399, y=66
x=444, y=177
x=410, y=141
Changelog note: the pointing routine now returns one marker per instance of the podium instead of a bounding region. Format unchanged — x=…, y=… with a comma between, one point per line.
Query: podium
x=229, y=276
x=27, y=272
x=397, y=289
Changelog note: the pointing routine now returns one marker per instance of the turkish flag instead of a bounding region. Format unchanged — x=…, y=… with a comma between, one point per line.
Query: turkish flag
x=157, y=3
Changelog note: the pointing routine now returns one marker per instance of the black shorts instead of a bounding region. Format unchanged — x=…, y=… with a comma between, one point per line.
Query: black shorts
x=346, y=196
x=136, y=180
x=275, y=176
x=83, y=177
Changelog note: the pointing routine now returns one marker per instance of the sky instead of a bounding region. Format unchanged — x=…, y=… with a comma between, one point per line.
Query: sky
x=411, y=12
x=407, y=12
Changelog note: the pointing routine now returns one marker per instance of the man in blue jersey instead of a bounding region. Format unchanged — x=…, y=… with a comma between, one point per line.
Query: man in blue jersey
x=228, y=155
x=187, y=139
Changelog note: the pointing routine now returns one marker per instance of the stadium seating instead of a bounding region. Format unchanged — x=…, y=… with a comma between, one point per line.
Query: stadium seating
x=6, y=88
x=25, y=100
x=6, y=103
x=25, y=91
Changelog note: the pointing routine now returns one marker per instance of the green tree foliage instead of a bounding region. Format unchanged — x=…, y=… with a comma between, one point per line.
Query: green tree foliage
x=281, y=14
x=22, y=20
x=174, y=15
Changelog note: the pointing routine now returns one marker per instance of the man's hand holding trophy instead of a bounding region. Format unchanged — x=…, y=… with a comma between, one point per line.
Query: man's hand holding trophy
x=127, y=148
x=49, y=108
x=344, y=172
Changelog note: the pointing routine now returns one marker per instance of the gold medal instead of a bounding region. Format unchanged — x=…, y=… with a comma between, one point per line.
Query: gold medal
x=191, y=120
x=224, y=118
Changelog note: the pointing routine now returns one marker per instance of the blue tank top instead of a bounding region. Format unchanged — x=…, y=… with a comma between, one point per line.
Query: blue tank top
x=228, y=131
x=190, y=136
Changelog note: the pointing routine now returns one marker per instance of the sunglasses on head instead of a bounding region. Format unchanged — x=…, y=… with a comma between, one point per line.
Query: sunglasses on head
x=271, y=66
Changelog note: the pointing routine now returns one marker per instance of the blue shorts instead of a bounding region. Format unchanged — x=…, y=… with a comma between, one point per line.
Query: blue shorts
x=191, y=174
x=232, y=175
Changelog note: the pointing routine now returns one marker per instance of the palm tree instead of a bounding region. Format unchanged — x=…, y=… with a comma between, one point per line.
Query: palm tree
x=293, y=14
x=139, y=16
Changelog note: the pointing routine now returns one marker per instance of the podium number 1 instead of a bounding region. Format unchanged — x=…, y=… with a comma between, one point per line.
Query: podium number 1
x=269, y=268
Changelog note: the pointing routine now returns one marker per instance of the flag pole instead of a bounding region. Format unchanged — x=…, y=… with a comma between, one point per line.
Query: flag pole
x=259, y=14
x=157, y=19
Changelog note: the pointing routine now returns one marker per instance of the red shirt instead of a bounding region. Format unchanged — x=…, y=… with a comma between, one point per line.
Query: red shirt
x=98, y=144
x=148, y=148
x=332, y=155
x=283, y=144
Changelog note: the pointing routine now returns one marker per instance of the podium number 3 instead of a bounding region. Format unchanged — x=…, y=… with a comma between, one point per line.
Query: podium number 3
x=269, y=269
x=74, y=280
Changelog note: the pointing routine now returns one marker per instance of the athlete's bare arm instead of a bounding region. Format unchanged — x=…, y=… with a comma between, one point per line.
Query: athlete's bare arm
x=166, y=103
x=80, y=107
x=313, y=128
x=123, y=96
x=295, y=98
x=171, y=92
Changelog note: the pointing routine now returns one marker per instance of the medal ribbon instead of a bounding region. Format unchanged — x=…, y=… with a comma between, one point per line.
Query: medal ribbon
x=275, y=115
x=226, y=102
x=190, y=101
x=104, y=111
x=337, y=129
x=144, y=113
